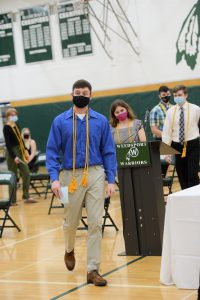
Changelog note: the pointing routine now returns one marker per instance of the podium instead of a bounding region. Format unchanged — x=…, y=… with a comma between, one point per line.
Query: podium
x=141, y=196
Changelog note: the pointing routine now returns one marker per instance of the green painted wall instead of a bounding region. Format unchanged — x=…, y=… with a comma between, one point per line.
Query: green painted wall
x=39, y=117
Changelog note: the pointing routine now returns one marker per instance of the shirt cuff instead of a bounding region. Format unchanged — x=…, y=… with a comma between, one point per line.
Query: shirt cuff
x=54, y=177
x=111, y=179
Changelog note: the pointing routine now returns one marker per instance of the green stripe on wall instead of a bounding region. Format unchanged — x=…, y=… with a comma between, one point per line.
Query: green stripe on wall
x=39, y=117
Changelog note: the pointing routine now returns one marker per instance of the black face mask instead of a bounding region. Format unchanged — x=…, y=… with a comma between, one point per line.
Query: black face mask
x=26, y=136
x=165, y=99
x=81, y=101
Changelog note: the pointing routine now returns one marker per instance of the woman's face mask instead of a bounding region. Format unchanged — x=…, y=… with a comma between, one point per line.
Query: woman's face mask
x=13, y=118
x=122, y=116
x=26, y=135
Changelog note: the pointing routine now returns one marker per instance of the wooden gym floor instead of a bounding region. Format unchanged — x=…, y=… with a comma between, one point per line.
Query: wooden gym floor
x=32, y=266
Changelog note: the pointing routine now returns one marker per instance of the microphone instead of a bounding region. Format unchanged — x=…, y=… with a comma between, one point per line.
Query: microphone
x=146, y=117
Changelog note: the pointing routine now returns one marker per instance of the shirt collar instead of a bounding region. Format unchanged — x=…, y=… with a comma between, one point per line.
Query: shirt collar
x=183, y=106
x=69, y=113
x=166, y=105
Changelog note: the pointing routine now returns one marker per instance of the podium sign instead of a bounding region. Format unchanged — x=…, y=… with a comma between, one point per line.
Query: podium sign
x=133, y=155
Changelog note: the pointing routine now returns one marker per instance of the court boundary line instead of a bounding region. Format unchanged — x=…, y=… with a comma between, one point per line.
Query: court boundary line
x=109, y=285
x=30, y=238
x=188, y=296
x=104, y=275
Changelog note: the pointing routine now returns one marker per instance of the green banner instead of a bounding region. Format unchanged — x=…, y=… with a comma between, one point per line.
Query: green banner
x=7, y=50
x=74, y=29
x=36, y=34
x=133, y=155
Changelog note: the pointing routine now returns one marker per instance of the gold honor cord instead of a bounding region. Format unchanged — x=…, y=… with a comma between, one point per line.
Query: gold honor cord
x=21, y=144
x=129, y=133
x=164, y=109
x=84, y=181
x=187, y=128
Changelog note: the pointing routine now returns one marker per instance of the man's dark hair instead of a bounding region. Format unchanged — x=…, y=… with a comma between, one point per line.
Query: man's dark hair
x=180, y=88
x=81, y=83
x=164, y=89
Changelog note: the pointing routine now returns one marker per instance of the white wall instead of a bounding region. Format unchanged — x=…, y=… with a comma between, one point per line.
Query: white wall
x=157, y=22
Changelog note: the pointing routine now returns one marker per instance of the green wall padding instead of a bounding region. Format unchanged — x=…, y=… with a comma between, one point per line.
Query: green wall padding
x=39, y=117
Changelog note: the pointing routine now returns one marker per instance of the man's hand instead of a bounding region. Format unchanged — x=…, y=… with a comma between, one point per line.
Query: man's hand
x=168, y=158
x=56, y=188
x=111, y=189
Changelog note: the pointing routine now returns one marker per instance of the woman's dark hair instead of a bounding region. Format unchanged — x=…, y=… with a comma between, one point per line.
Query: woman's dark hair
x=81, y=84
x=113, y=120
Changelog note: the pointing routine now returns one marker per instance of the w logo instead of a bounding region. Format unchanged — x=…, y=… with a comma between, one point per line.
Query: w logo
x=133, y=152
x=188, y=40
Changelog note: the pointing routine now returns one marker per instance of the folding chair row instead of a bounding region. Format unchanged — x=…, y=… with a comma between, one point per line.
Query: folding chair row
x=106, y=216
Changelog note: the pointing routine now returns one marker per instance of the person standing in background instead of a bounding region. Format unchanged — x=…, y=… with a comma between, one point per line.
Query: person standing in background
x=156, y=120
x=181, y=131
x=16, y=155
x=124, y=125
x=158, y=112
x=84, y=139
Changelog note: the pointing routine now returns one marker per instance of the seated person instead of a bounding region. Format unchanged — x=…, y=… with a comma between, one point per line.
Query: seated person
x=31, y=147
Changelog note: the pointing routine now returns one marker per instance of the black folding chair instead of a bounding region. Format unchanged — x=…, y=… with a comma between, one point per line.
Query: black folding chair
x=53, y=205
x=169, y=179
x=106, y=217
x=8, y=179
x=39, y=180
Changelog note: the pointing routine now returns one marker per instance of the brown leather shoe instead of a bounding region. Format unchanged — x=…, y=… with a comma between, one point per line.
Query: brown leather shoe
x=69, y=259
x=95, y=278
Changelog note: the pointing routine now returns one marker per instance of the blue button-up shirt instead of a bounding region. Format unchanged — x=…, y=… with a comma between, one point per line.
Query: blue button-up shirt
x=60, y=143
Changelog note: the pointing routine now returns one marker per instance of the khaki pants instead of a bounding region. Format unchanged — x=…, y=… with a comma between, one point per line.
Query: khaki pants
x=24, y=172
x=93, y=197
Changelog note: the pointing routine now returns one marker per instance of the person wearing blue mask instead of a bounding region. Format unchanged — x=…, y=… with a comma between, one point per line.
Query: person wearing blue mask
x=16, y=155
x=181, y=131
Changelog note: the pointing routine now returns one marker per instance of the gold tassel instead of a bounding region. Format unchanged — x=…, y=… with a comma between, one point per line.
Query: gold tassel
x=184, y=151
x=84, y=180
x=72, y=186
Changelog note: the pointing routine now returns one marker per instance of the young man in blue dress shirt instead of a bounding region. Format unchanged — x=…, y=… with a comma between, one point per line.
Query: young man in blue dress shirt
x=84, y=139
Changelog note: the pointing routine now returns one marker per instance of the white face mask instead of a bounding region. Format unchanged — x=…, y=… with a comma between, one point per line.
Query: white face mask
x=13, y=118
